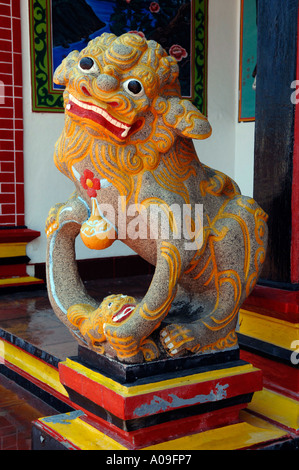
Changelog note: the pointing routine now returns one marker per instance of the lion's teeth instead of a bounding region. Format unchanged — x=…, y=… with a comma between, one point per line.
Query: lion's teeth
x=126, y=131
x=100, y=111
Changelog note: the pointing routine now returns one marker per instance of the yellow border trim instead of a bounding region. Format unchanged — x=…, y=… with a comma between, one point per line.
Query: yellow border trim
x=135, y=390
x=236, y=436
x=32, y=366
x=79, y=433
x=232, y=437
x=11, y=250
x=279, y=408
x=268, y=329
x=19, y=280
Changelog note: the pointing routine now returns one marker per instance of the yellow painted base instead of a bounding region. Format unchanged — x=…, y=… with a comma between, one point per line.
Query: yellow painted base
x=268, y=329
x=269, y=404
x=34, y=369
x=135, y=390
x=72, y=432
x=236, y=436
x=25, y=280
x=276, y=407
x=11, y=250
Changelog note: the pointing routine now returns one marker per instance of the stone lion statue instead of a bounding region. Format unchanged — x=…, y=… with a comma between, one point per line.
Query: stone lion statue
x=127, y=145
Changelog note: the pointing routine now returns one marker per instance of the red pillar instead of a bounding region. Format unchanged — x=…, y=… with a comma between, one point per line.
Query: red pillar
x=14, y=235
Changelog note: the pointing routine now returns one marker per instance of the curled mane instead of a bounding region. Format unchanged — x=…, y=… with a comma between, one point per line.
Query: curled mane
x=159, y=116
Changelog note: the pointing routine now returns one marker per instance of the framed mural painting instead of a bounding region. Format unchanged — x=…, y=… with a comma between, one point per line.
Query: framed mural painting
x=59, y=26
x=248, y=59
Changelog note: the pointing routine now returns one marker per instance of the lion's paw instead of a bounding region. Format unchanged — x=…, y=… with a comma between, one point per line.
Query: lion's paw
x=176, y=339
x=150, y=350
x=89, y=322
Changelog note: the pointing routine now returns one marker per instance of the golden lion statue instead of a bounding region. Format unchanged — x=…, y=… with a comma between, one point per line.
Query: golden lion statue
x=127, y=146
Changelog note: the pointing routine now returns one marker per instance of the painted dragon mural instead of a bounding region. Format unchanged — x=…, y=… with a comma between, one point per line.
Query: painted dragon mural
x=127, y=145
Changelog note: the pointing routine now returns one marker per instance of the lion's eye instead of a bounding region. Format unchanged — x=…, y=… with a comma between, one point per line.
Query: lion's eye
x=134, y=87
x=88, y=65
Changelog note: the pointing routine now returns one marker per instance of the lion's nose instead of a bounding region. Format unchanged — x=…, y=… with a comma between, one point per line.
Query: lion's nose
x=107, y=83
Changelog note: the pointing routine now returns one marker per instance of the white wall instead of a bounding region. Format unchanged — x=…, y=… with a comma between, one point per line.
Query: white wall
x=244, y=161
x=231, y=146
x=229, y=149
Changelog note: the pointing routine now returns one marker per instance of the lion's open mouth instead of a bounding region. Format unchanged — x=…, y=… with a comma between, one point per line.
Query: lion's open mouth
x=123, y=313
x=99, y=115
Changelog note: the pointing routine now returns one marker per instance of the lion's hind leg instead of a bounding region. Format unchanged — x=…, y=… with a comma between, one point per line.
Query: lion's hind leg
x=179, y=340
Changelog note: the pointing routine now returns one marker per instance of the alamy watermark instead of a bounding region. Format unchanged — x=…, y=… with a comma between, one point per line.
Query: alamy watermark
x=295, y=354
x=156, y=222
x=295, y=94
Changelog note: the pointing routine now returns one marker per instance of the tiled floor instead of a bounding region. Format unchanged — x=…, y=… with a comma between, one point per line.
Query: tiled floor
x=18, y=409
x=28, y=315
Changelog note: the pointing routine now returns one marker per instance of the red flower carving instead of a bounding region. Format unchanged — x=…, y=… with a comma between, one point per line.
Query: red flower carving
x=90, y=183
x=178, y=52
x=154, y=7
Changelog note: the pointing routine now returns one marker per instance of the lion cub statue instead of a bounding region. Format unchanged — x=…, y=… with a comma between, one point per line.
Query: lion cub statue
x=127, y=145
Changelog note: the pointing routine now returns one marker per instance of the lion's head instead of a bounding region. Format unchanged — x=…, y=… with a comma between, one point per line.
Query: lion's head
x=124, y=91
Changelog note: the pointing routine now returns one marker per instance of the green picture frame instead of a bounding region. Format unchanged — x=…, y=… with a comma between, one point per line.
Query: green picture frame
x=47, y=98
x=248, y=60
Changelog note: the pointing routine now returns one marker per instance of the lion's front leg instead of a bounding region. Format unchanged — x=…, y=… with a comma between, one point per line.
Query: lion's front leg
x=129, y=337
x=65, y=286
x=73, y=210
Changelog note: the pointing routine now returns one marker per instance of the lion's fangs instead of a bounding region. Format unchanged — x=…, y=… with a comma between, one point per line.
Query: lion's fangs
x=100, y=111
